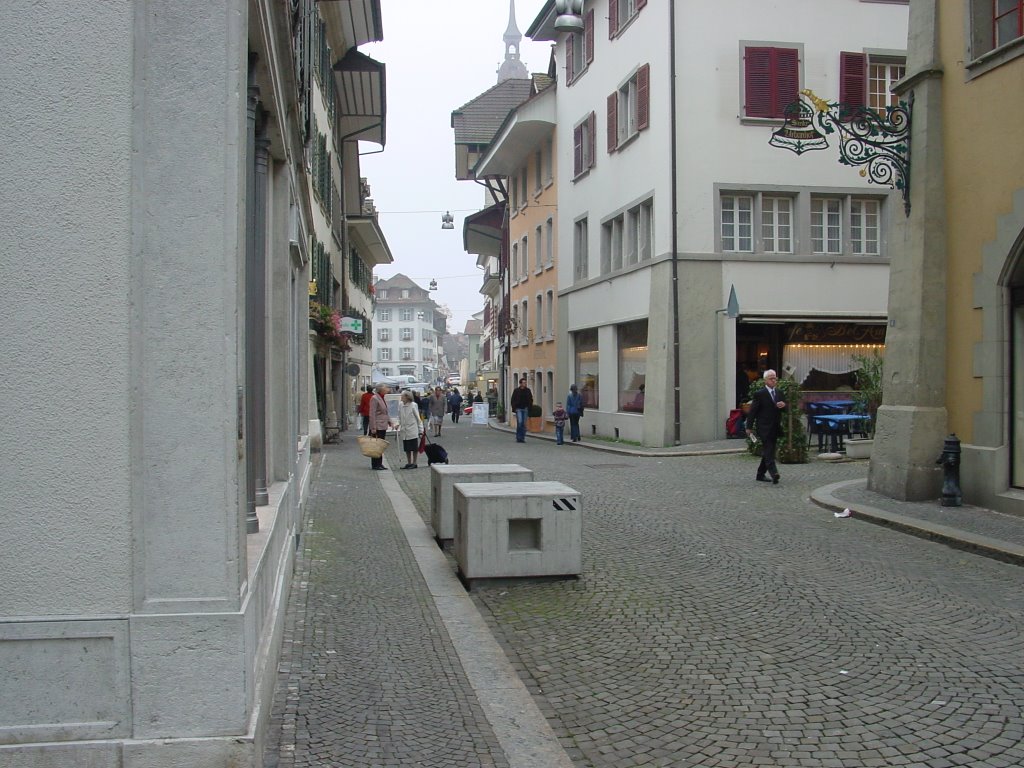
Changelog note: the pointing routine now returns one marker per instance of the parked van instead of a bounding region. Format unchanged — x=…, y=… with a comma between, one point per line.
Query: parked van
x=454, y=380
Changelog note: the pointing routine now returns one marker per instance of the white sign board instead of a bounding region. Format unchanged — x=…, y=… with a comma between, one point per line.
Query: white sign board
x=480, y=413
x=352, y=325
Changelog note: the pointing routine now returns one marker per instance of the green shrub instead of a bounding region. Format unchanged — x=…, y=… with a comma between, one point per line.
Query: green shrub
x=535, y=411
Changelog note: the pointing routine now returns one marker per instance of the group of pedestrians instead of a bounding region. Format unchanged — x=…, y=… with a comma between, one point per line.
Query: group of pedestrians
x=522, y=400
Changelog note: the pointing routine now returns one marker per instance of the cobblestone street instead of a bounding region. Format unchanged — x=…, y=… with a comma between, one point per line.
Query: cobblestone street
x=718, y=622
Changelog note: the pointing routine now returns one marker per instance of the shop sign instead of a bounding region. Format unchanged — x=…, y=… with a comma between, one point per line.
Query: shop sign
x=836, y=333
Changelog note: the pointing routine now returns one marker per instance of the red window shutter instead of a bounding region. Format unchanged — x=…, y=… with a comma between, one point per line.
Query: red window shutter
x=643, y=97
x=588, y=34
x=613, y=121
x=613, y=18
x=786, y=80
x=853, y=81
x=570, y=41
x=592, y=130
x=577, y=149
x=757, y=71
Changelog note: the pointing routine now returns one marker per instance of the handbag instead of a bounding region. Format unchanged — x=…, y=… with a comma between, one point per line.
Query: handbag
x=423, y=442
x=372, y=447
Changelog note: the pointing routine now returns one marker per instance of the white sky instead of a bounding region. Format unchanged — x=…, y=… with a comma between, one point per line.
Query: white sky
x=439, y=54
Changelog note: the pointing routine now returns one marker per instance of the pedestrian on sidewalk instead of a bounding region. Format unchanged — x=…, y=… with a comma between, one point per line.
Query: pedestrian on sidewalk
x=766, y=407
x=409, y=428
x=364, y=408
x=559, y=416
x=574, y=407
x=379, y=420
x=437, y=405
x=522, y=399
x=455, y=404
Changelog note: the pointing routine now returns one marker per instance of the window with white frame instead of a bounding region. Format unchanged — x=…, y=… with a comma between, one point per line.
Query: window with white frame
x=513, y=195
x=384, y=353
x=867, y=80
x=514, y=263
x=538, y=240
x=611, y=244
x=579, y=49
x=406, y=334
x=538, y=171
x=645, y=233
x=524, y=316
x=737, y=223
x=549, y=239
x=549, y=305
x=428, y=335
x=538, y=323
x=629, y=108
x=515, y=324
x=405, y=315
x=777, y=224
x=626, y=238
x=406, y=353
x=427, y=316
x=405, y=293
x=384, y=315
x=382, y=293
x=524, y=258
x=549, y=159
x=620, y=13
x=523, y=187
x=583, y=135
x=383, y=334
x=826, y=225
x=865, y=226
x=579, y=250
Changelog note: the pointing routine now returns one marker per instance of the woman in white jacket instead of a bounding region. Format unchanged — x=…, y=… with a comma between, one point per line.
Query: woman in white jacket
x=409, y=428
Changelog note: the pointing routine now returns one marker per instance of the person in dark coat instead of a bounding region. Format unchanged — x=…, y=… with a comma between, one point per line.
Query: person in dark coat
x=765, y=415
x=455, y=404
x=522, y=399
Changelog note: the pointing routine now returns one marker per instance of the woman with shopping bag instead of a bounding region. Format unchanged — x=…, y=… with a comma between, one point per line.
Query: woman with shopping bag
x=379, y=421
x=409, y=428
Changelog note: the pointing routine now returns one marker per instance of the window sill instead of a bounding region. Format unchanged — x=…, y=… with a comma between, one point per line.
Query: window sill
x=577, y=75
x=537, y=271
x=761, y=121
x=995, y=58
x=627, y=141
x=548, y=182
x=549, y=265
x=625, y=25
x=581, y=175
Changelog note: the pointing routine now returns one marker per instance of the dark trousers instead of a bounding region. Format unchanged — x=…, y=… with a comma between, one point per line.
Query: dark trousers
x=383, y=433
x=366, y=425
x=574, y=427
x=767, y=465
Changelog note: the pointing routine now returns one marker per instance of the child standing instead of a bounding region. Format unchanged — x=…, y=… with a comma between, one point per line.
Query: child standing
x=560, y=416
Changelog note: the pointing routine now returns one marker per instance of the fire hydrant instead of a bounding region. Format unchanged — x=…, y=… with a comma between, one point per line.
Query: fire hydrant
x=950, y=461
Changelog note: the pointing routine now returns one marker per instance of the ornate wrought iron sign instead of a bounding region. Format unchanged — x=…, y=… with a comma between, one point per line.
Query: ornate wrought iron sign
x=880, y=143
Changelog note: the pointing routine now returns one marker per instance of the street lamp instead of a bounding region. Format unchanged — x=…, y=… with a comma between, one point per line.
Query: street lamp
x=447, y=220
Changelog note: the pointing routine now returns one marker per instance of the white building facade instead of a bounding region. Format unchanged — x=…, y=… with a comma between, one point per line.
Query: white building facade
x=408, y=328
x=670, y=182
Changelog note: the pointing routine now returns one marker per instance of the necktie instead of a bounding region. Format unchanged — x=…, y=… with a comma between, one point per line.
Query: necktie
x=772, y=393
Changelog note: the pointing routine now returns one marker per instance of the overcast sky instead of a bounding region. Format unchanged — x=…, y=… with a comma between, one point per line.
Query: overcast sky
x=439, y=54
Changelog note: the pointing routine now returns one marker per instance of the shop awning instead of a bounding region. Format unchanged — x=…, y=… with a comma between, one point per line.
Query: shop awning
x=350, y=23
x=482, y=231
x=361, y=106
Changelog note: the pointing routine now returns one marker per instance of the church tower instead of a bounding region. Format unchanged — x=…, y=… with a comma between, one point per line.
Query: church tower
x=512, y=67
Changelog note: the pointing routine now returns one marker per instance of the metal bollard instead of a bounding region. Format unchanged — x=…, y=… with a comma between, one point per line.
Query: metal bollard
x=950, y=461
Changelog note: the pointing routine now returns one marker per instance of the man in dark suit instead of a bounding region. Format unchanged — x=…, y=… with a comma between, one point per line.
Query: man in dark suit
x=766, y=407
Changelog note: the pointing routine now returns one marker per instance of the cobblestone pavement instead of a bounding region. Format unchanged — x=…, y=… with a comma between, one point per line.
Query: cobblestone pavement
x=367, y=676
x=724, y=622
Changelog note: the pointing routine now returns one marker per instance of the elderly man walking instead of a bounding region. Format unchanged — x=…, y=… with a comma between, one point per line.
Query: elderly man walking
x=765, y=414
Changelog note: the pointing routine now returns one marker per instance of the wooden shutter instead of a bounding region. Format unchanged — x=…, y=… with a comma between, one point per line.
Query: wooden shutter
x=853, y=81
x=570, y=42
x=757, y=71
x=613, y=121
x=786, y=80
x=643, y=97
x=588, y=36
x=592, y=130
x=577, y=149
x=613, y=18
x=771, y=80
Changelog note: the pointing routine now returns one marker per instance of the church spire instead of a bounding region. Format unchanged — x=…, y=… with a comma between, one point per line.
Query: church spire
x=512, y=67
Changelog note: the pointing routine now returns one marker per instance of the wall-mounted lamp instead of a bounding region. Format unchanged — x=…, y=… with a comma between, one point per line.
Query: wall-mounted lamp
x=570, y=16
x=447, y=221
x=312, y=287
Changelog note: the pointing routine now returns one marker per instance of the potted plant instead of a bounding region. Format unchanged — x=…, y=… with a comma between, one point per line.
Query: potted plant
x=791, y=447
x=499, y=412
x=866, y=399
x=534, y=422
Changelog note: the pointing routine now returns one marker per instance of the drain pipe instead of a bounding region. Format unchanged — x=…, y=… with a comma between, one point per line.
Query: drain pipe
x=675, y=217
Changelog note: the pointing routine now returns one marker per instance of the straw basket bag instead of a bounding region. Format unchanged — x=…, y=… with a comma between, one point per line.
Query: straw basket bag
x=373, y=447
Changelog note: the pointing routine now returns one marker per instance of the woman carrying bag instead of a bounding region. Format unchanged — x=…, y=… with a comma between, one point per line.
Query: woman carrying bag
x=409, y=428
x=379, y=421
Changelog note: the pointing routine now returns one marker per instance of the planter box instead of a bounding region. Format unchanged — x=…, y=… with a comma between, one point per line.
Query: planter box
x=443, y=477
x=535, y=424
x=517, y=530
x=858, y=447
